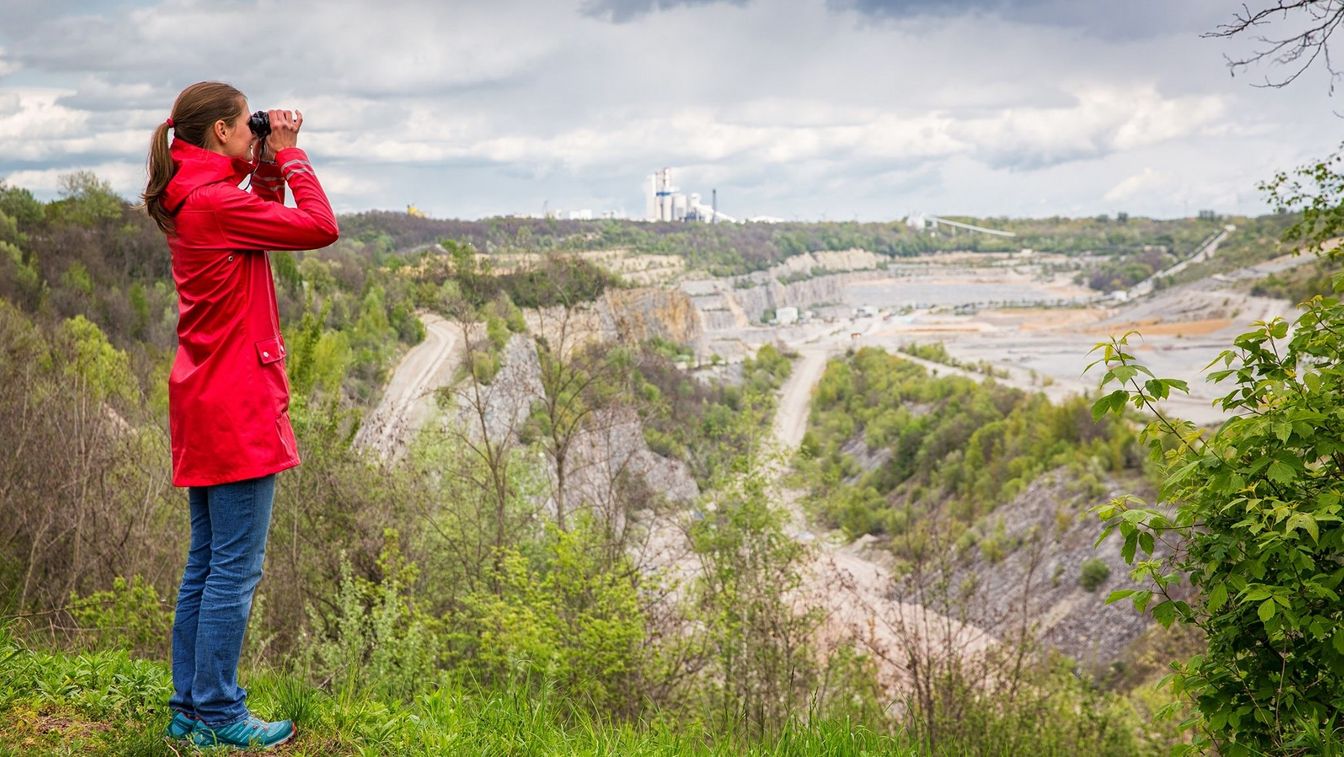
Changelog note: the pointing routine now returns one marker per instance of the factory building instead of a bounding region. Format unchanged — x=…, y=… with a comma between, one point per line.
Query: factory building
x=664, y=202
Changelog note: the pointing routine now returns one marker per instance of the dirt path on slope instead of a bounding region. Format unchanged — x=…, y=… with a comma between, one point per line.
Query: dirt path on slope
x=855, y=591
x=408, y=400
x=796, y=397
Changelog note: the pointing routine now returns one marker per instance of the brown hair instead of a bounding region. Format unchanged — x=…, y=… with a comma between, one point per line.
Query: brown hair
x=195, y=111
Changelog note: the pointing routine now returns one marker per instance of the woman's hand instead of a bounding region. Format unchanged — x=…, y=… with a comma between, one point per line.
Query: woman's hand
x=284, y=130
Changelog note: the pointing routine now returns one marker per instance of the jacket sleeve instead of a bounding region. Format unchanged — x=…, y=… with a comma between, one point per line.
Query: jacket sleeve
x=268, y=183
x=256, y=221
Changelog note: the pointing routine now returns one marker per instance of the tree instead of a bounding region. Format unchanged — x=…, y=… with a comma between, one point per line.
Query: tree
x=1253, y=513
x=86, y=200
x=577, y=378
x=756, y=631
x=1252, y=522
x=1311, y=24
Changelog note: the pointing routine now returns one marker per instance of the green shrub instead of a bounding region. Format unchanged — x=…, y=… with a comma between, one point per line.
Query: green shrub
x=1258, y=512
x=484, y=366
x=557, y=614
x=130, y=615
x=992, y=548
x=1093, y=573
x=379, y=638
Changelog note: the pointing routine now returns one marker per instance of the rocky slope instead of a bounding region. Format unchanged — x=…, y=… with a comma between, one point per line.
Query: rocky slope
x=1054, y=535
x=731, y=304
x=637, y=315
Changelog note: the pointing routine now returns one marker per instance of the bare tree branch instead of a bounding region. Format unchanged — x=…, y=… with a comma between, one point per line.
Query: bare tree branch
x=1310, y=24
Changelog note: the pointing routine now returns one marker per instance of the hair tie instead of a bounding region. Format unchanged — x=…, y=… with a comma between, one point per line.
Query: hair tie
x=169, y=122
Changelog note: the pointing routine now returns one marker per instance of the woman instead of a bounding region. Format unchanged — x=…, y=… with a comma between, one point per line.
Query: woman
x=228, y=394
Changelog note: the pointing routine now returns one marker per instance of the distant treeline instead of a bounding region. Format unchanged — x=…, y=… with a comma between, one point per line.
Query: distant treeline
x=735, y=248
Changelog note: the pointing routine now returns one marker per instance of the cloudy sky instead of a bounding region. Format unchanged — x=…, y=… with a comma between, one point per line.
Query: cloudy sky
x=809, y=109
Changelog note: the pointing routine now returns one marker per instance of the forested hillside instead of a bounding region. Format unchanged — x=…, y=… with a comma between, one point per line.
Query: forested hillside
x=463, y=588
x=890, y=445
x=1128, y=249
x=397, y=579
x=389, y=586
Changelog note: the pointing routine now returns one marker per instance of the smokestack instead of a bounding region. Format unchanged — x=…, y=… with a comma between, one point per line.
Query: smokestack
x=714, y=203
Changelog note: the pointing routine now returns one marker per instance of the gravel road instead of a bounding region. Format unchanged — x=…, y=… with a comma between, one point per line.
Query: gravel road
x=408, y=400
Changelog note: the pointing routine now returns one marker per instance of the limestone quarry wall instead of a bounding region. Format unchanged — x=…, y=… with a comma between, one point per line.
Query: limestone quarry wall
x=636, y=315
x=726, y=304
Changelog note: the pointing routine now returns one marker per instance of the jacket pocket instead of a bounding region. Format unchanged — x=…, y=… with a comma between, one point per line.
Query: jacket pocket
x=270, y=350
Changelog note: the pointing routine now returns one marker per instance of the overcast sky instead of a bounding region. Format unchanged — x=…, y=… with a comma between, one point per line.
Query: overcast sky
x=808, y=109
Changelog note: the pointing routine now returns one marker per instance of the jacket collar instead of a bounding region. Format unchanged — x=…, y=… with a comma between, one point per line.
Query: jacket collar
x=196, y=167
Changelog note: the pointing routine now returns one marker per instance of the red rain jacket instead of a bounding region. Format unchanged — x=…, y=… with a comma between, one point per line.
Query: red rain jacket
x=228, y=395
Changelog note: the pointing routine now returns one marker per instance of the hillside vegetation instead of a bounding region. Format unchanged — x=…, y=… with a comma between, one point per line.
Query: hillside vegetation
x=1113, y=252
x=462, y=599
x=436, y=604
x=888, y=446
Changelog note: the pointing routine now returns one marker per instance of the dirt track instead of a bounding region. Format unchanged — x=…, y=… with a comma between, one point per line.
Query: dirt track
x=853, y=590
x=796, y=397
x=408, y=399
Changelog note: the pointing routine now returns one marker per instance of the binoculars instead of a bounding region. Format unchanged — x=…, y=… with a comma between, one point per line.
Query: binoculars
x=260, y=124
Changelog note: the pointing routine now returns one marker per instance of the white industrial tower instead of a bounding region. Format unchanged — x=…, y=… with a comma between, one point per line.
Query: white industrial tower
x=662, y=199
x=664, y=202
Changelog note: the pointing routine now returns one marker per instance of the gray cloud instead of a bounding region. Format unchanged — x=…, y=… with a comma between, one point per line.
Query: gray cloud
x=789, y=107
x=1106, y=19
x=621, y=11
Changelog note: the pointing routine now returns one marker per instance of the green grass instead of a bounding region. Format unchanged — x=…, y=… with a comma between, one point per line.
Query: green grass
x=108, y=703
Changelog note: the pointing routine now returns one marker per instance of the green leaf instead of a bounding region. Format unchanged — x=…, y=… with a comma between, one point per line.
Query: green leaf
x=1127, y=551
x=1141, y=600
x=1118, y=595
x=1307, y=523
x=1281, y=472
x=1266, y=611
x=1118, y=399
x=1164, y=613
x=1317, y=629
x=1217, y=597
x=1101, y=407
x=1257, y=594
x=1155, y=388
x=1338, y=641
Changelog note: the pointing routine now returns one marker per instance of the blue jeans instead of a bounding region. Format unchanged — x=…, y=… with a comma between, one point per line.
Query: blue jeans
x=229, y=523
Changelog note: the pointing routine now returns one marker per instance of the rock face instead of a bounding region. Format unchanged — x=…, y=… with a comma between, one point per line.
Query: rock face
x=800, y=281
x=1054, y=535
x=830, y=262
x=637, y=315
x=505, y=402
x=613, y=446
x=630, y=316
x=727, y=304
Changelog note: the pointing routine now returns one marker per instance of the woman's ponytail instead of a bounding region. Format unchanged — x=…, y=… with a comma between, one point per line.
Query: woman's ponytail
x=197, y=107
x=161, y=171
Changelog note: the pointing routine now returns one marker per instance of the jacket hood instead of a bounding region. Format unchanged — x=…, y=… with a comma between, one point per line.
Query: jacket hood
x=196, y=167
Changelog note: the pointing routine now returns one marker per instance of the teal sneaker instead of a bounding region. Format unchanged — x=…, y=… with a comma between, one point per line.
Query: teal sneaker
x=181, y=726
x=248, y=732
